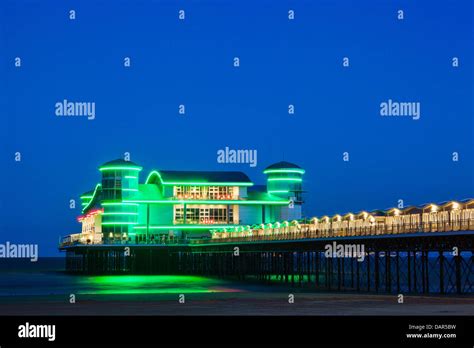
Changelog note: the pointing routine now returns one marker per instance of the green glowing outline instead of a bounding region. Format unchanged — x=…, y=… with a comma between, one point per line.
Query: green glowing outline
x=271, y=171
x=120, y=213
x=93, y=196
x=285, y=179
x=181, y=227
x=211, y=202
x=119, y=223
x=120, y=168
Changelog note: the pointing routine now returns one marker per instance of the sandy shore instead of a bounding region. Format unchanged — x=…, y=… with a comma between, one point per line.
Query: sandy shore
x=242, y=303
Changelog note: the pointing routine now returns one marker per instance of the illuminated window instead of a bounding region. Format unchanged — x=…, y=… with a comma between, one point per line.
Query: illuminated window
x=220, y=192
x=204, y=216
x=189, y=192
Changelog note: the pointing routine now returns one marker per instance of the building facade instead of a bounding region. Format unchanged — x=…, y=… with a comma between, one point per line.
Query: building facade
x=180, y=205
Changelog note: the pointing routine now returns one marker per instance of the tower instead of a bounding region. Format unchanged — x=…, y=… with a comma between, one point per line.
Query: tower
x=119, y=183
x=285, y=180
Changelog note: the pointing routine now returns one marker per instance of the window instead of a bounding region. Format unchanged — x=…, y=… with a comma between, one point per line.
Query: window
x=112, y=185
x=204, y=216
x=203, y=192
x=189, y=192
x=178, y=216
x=220, y=192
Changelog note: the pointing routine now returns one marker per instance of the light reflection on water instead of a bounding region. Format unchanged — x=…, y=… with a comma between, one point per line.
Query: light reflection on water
x=45, y=277
x=152, y=284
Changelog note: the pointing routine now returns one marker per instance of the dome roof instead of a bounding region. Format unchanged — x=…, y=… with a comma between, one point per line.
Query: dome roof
x=283, y=165
x=120, y=163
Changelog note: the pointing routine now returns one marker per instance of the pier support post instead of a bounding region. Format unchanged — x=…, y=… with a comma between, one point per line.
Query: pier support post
x=388, y=273
x=357, y=273
x=368, y=271
x=414, y=271
x=441, y=272
x=457, y=263
x=398, y=271
x=409, y=270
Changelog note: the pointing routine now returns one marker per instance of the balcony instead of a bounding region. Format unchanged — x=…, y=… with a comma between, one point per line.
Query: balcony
x=80, y=239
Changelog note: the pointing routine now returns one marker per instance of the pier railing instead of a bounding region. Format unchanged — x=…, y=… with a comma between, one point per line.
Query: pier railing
x=311, y=231
x=302, y=231
x=76, y=239
x=79, y=239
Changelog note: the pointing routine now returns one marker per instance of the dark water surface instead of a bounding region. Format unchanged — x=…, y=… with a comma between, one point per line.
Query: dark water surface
x=42, y=288
x=20, y=277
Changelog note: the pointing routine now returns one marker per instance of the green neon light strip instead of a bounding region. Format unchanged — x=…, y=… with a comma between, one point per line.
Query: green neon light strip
x=121, y=213
x=86, y=197
x=270, y=171
x=93, y=196
x=120, y=168
x=119, y=223
x=131, y=177
x=216, y=202
x=279, y=191
x=128, y=189
x=184, y=183
x=285, y=179
x=183, y=227
x=193, y=183
x=118, y=203
x=154, y=172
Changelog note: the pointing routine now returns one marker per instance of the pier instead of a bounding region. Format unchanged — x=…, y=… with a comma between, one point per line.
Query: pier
x=417, y=263
x=220, y=224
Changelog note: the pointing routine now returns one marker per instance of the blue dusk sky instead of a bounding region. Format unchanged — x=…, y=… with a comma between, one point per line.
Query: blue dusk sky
x=190, y=62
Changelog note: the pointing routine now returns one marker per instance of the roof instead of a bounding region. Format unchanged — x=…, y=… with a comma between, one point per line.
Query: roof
x=466, y=200
x=283, y=165
x=410, y=208
x=424, y=205
x=377, y=212
x=120, y=162
x=203, y=177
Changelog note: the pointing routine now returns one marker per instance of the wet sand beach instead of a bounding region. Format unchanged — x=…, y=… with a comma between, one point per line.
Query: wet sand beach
x=44, y=289
x=240, y=303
